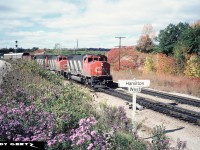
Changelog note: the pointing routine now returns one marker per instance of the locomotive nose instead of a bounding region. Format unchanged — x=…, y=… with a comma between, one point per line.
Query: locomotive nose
x=98, y=70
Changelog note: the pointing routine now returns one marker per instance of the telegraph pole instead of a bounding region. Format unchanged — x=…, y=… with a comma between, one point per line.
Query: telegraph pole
x=120, y=37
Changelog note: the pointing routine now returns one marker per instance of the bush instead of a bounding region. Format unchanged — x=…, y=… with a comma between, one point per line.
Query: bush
x=112, y=118
x=165, y=65
x=180, y=54
x=71, y=102
x=21, y=122
x=160, y=140
x=193, y=66
x=127, y=141
x=149, y=65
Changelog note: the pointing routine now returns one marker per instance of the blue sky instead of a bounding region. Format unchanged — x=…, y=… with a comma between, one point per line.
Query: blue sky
x=95, y=23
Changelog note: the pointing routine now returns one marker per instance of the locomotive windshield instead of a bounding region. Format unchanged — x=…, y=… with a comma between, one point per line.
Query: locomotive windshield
x=95, y=58
x=102, y=59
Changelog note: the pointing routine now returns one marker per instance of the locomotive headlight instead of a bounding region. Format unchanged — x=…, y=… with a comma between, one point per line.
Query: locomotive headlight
x=101, y=64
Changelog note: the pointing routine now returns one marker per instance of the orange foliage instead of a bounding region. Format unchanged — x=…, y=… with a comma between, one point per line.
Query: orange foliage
x=165, y=65
x=129, y=58
x=113, y=55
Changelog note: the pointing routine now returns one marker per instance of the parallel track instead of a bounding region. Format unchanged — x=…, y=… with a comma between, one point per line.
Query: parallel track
x=180, y=113
x=176, y=98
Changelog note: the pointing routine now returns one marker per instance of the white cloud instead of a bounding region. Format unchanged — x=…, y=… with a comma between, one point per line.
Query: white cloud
x=94, y=23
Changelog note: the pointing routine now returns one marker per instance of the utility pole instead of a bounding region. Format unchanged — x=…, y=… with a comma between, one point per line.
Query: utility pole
x=120, y=37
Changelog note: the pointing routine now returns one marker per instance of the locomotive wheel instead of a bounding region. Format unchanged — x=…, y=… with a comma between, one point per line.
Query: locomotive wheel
x=86, y=82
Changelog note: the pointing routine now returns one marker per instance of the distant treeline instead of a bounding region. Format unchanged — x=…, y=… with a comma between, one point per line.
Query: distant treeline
x=18, y=50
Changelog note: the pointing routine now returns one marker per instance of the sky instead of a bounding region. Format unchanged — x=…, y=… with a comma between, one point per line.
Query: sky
x=94, y=23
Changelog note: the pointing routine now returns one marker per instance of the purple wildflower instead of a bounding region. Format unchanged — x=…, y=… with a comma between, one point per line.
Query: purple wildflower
x=93, y=133
x=90, y=146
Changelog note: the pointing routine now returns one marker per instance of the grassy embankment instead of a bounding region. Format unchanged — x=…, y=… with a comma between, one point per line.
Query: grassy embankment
x=36, y=106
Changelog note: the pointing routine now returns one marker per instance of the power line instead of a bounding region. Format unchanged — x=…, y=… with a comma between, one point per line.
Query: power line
x=120, y=37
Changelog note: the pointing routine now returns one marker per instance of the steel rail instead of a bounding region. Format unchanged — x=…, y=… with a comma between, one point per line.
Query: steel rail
x=178, y=99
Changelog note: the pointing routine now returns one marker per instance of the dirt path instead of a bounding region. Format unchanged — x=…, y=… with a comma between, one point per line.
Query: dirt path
x=175, y=128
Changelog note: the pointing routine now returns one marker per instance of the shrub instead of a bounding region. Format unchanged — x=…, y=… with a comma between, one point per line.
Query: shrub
x=113, y=118
x=149, y=65
x=180, y=54
x=27, y=123
x=165, y=65
x=160, y=140
x=71, y=102
x=193, y=67
x=84, y=137
x=127, y=141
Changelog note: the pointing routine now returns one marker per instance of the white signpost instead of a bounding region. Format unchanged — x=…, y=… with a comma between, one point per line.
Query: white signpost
x=134, y=86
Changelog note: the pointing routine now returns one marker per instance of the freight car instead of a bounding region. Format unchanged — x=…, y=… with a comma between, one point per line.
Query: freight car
x=92, y=70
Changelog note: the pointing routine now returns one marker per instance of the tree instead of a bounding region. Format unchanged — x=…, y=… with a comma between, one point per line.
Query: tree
x=146, y=40
x=168, y=37
x=193, y=66
x=58, y=48
x=181, y=56
x=191, y=38
x=35, y=48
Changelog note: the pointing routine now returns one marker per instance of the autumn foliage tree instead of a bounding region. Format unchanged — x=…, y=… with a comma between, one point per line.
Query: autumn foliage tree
x=165, y=64
x=149, y=65
x=146, y=41
x=193, y=66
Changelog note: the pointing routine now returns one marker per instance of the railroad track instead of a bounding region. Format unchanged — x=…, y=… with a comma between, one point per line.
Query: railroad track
x=176, y=98
x=177, y=112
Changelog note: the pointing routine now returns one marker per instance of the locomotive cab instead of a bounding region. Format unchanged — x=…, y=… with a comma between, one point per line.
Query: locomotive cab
x=96, y=65
x=97, y=68
x=61, y=62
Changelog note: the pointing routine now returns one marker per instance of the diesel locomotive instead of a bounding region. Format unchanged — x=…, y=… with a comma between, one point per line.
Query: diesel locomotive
x=92, y=70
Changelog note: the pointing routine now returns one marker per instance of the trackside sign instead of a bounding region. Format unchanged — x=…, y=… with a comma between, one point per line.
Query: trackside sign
x=133, y=83
x=134, y=86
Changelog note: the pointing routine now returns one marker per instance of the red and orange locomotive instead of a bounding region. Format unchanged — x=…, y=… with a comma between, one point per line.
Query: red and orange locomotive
x=93, y=70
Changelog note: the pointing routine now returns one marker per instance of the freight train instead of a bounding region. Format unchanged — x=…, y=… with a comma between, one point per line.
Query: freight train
x=91, y=70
